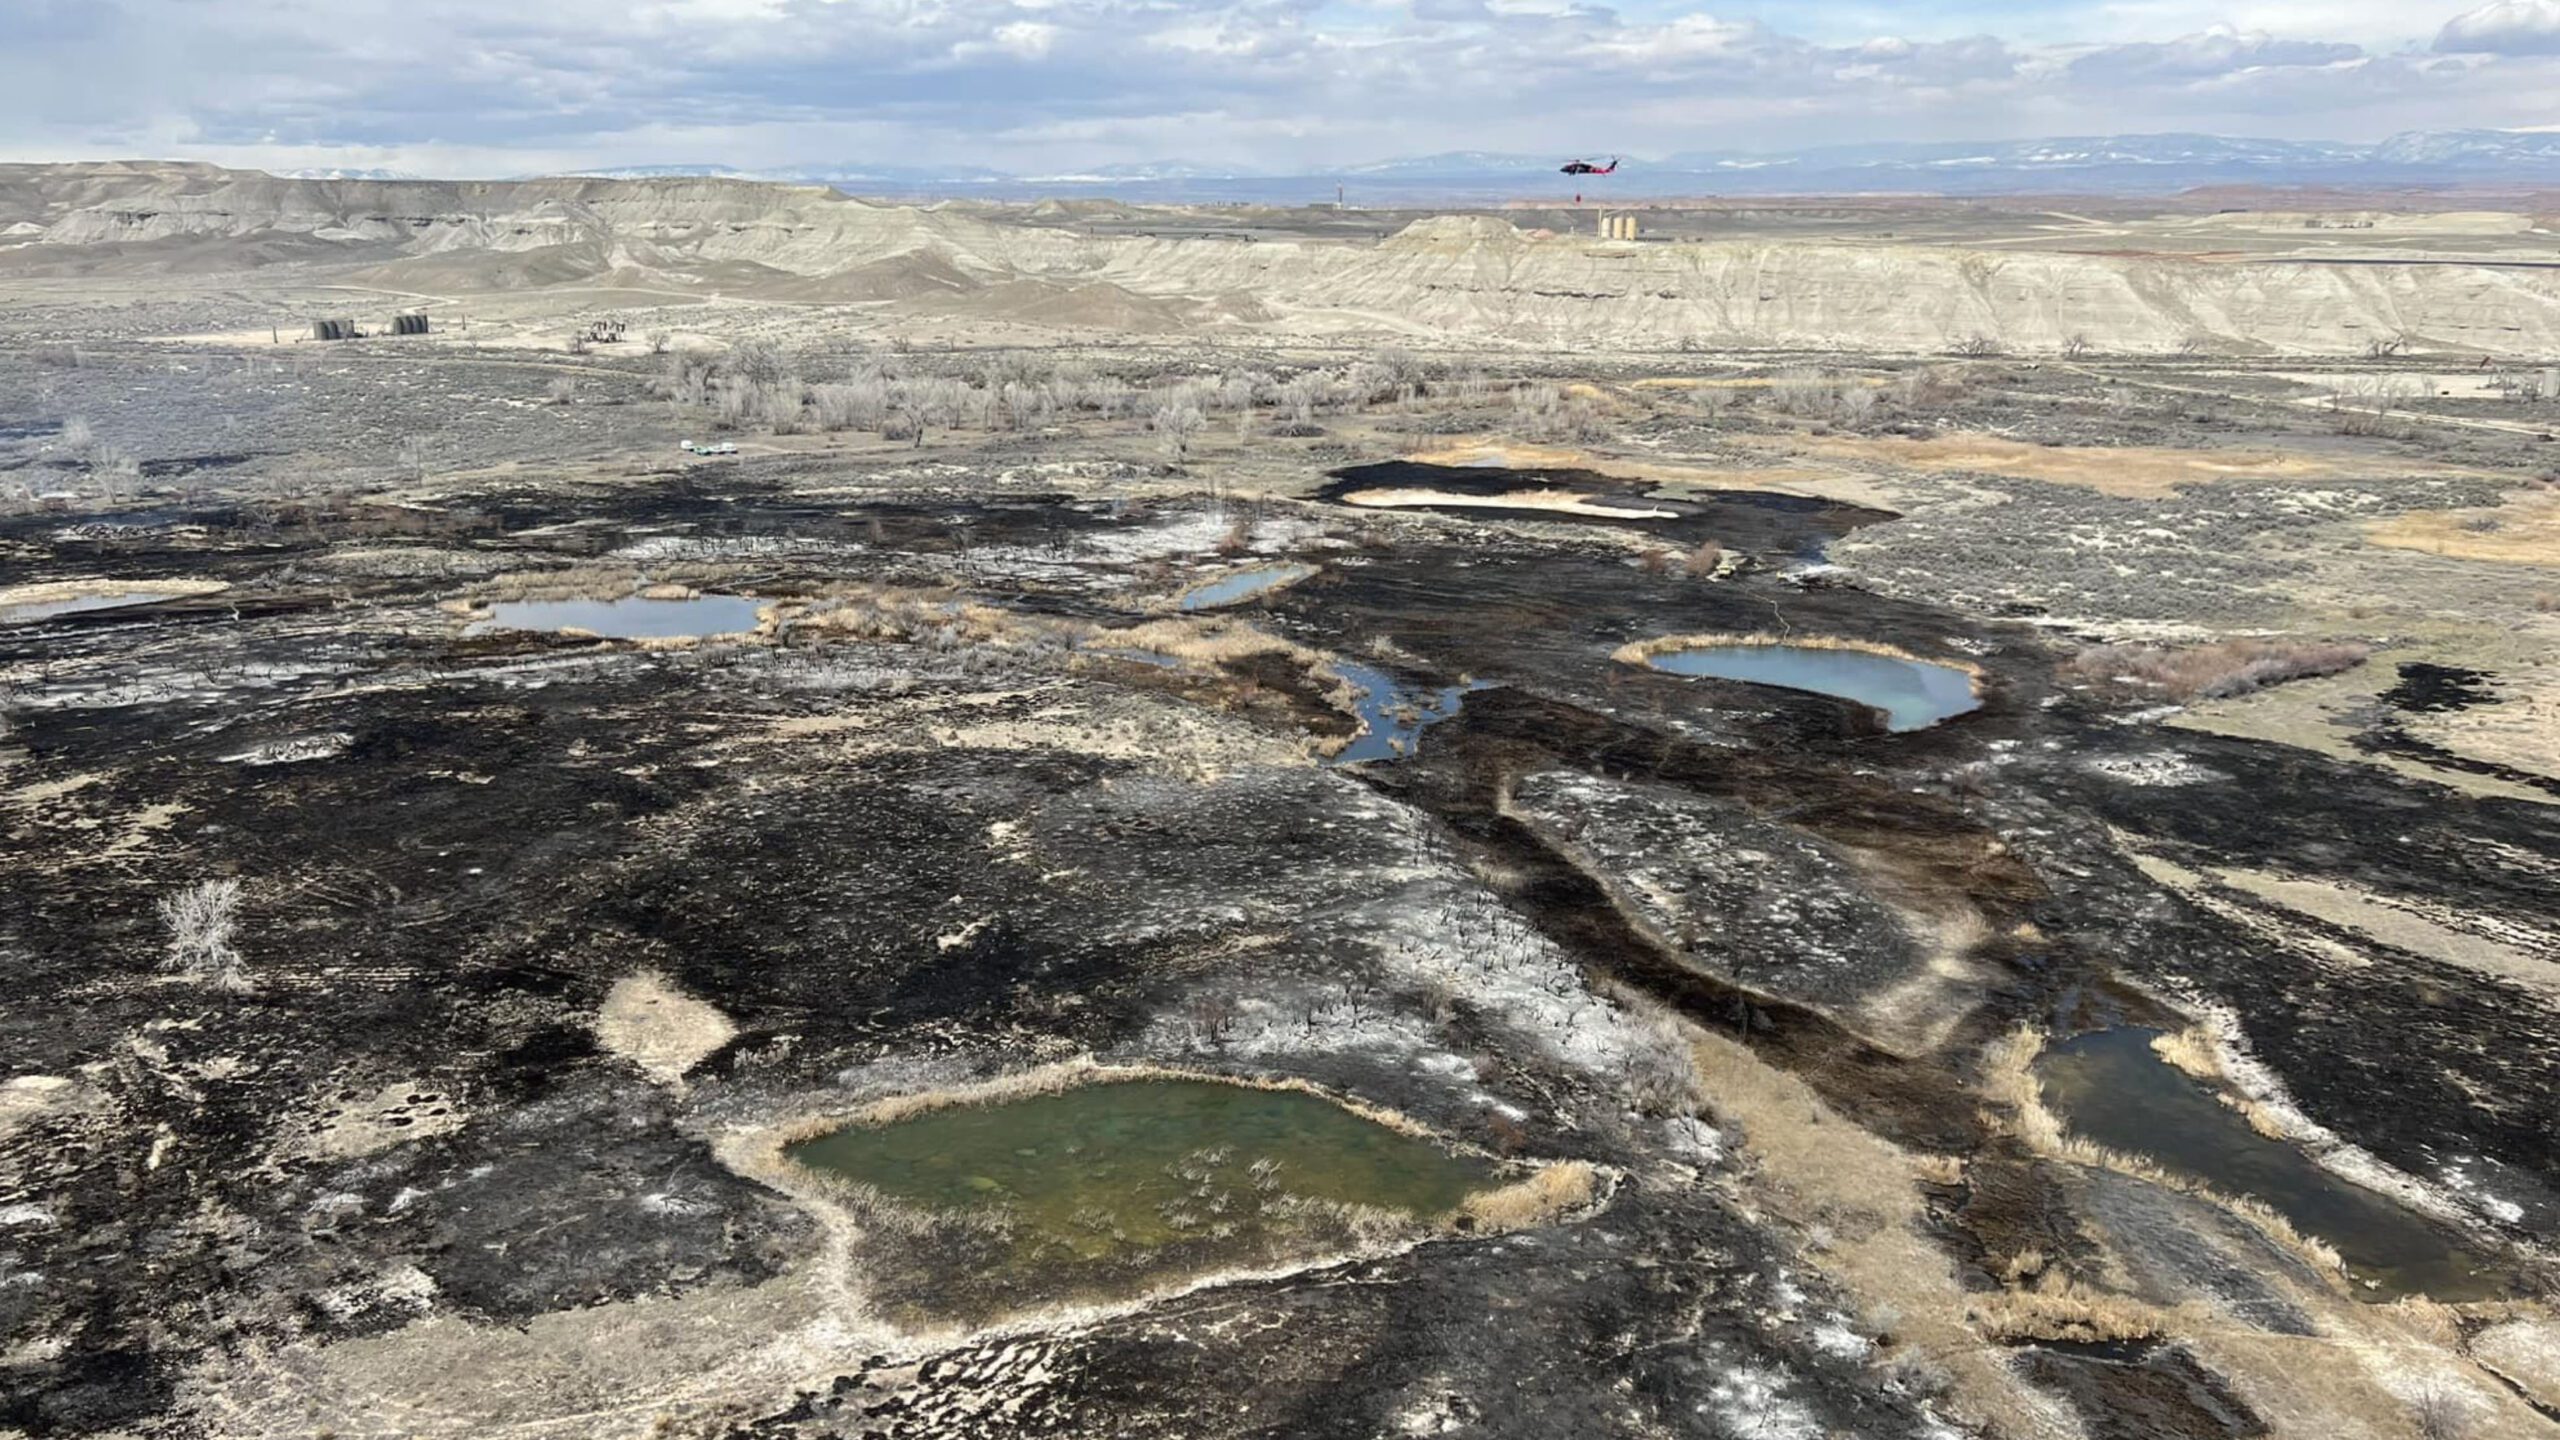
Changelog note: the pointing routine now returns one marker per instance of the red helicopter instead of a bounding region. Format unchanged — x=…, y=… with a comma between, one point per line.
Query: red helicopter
x=1585, y=167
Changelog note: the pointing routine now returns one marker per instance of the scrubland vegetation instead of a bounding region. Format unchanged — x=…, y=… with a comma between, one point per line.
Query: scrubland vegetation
x=903, y=396
x=2216, y=671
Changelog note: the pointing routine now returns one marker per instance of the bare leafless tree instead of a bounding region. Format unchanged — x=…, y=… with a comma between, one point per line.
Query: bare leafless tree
x=1212, y=1015
x=757, y=362
x=1177, y=423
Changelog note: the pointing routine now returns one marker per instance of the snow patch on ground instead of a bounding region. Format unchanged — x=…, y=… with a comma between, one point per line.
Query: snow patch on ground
x=295, y=749
x=2254, y=1079
x=2456, y=1176
x=1751, y=1403
x=2160, y=768
x=1834, y=1337
x=732, y=547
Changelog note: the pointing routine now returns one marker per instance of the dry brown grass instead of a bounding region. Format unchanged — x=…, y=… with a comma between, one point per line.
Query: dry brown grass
x=600, y=580
x=2133, y=471
x=1208, y=640
x=2194, y=1052
x=2063, y=1311
x=1812, y=1165
x=2525, y=530
x=2023, y=1266
x=2190, y=1050
x=2224, y=668
x=52, y=592
x=1550, y=1193
x=940, y=618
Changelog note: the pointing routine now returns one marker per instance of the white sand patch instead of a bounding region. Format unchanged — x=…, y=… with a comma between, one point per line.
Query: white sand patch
x=25, y=1097
x=2400, y=924
x=1553, y=502
x=351, y=1124
x=2527, y=1352
x=659, y=1028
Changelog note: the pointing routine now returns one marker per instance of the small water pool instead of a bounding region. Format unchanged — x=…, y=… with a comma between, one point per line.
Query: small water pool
x=633, y=617
x=1113, y=1186
x=33, y=611
x=1393, y=715
x=2112, y=1087
x=1242, y=585
x=1912, y=694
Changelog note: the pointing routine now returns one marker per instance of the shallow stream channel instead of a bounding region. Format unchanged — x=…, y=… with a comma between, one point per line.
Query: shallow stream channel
x=1242, y=585
x=2113, y=1088
x=1393, y=715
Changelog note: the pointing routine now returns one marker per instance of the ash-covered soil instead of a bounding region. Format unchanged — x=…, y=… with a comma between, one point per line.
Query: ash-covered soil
x=461, y=1117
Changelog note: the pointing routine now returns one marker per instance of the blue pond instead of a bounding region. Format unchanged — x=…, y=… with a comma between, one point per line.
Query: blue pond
x=1393, y=716
x=1913, y=694
x=1242, y=585
x=633, y=617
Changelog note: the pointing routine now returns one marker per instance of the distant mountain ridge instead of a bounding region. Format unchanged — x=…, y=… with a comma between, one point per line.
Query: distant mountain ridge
x=2100, y=163
x=1098, y=265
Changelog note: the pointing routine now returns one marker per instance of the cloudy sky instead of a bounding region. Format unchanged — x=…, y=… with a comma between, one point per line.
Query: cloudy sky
x=461, y=87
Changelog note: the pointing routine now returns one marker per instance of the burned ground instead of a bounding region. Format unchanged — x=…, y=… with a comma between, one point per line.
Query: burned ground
x=922, y=832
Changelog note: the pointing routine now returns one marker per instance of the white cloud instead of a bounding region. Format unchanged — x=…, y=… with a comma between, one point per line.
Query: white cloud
x=2505, y=27
x=500, y=86
x=1020, y=39
x=2217, y=51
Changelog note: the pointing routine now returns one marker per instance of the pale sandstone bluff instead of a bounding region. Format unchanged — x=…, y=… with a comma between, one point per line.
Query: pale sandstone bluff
x=1476, y=278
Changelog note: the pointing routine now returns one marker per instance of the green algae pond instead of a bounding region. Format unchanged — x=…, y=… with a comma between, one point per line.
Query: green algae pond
x=1116, y=1185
